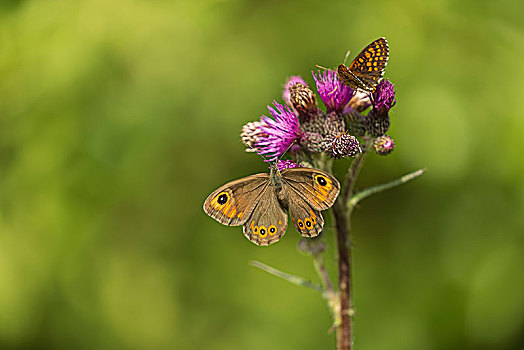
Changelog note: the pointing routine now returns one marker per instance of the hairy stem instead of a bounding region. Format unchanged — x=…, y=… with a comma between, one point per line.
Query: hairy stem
x=344, y=328
x=342, y=214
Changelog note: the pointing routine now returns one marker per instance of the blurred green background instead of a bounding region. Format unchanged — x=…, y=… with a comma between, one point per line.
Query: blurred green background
x=118, y=118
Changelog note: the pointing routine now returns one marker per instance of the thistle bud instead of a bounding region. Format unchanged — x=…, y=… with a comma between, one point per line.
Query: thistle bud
x=250, y=135
x=342, y=145
x=303, y=99
x=384, y=145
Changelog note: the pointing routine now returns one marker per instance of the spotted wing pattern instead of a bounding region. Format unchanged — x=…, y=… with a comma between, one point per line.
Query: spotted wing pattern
x=268, y=221
x=367, y=69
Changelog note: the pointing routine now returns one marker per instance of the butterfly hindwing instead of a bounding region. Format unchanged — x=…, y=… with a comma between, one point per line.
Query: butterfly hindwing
x=268, y=221
x=233, y=203
x=307, y=221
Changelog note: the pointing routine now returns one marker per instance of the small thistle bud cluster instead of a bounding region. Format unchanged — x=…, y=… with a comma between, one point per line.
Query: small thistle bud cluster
x=302, y=127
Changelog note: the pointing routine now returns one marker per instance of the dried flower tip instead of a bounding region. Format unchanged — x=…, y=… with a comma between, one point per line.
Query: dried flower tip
x=333, y=93
x=296, y=79
x=343, y=145
x=302, y=98
x=384, y=145
x=250, y=135
x=286, y=164
x=360, y=102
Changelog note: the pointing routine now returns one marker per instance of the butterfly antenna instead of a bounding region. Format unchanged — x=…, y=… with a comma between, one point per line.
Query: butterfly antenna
x=347, y=55
x=324, y=68
x=291, y=145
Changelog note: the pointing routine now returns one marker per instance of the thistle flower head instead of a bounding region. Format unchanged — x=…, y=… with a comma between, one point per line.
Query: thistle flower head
x=333, y=93
x=279, y=133
x=384, y=96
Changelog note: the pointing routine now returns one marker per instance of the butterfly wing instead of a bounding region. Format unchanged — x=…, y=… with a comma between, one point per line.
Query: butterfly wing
x=370, y=64
x=268, y=221
x=350, y=79
x=233, y=203
x=309, y=191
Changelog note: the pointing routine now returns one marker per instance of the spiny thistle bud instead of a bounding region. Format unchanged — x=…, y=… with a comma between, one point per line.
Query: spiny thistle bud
x=312, y=141
x=357, y=123
x=303, y=99
x=334, y=123
x=314, y=123
x=384, y=145
x=250, y=135
x=342, y=145
x=377, y=125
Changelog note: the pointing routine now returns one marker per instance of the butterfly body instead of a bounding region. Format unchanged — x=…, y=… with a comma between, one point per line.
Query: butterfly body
x=367, y=69
x=259, y=202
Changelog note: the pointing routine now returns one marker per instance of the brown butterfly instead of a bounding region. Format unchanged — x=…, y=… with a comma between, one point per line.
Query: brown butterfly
x=367, y=69
x=259, y=202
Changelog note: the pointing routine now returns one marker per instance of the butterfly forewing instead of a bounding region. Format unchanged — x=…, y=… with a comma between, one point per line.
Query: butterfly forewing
x=233, y=203
x=318, y=188
x=367, y=69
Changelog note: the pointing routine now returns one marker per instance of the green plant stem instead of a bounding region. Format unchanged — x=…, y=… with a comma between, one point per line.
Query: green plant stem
x=299, y=281
x=379, y=188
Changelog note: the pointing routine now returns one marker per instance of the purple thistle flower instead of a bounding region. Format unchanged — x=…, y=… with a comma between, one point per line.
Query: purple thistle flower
x=279, y=133
x=286, y=164
x=293, y=80
x=384, y=96
x=383, y=100
x=333, y=93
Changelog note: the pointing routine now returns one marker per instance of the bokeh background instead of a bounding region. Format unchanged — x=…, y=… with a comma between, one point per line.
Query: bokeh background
x=118, y=118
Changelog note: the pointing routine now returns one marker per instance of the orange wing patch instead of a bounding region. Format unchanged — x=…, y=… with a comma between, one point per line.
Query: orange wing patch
x=308, y=226
x=225, y=204
x=323, y=185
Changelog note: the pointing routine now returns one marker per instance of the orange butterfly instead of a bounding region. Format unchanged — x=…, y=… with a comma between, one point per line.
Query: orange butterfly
x=367, y=69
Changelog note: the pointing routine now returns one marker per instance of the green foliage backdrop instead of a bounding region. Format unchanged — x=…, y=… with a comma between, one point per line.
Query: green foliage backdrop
x=117, y=118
